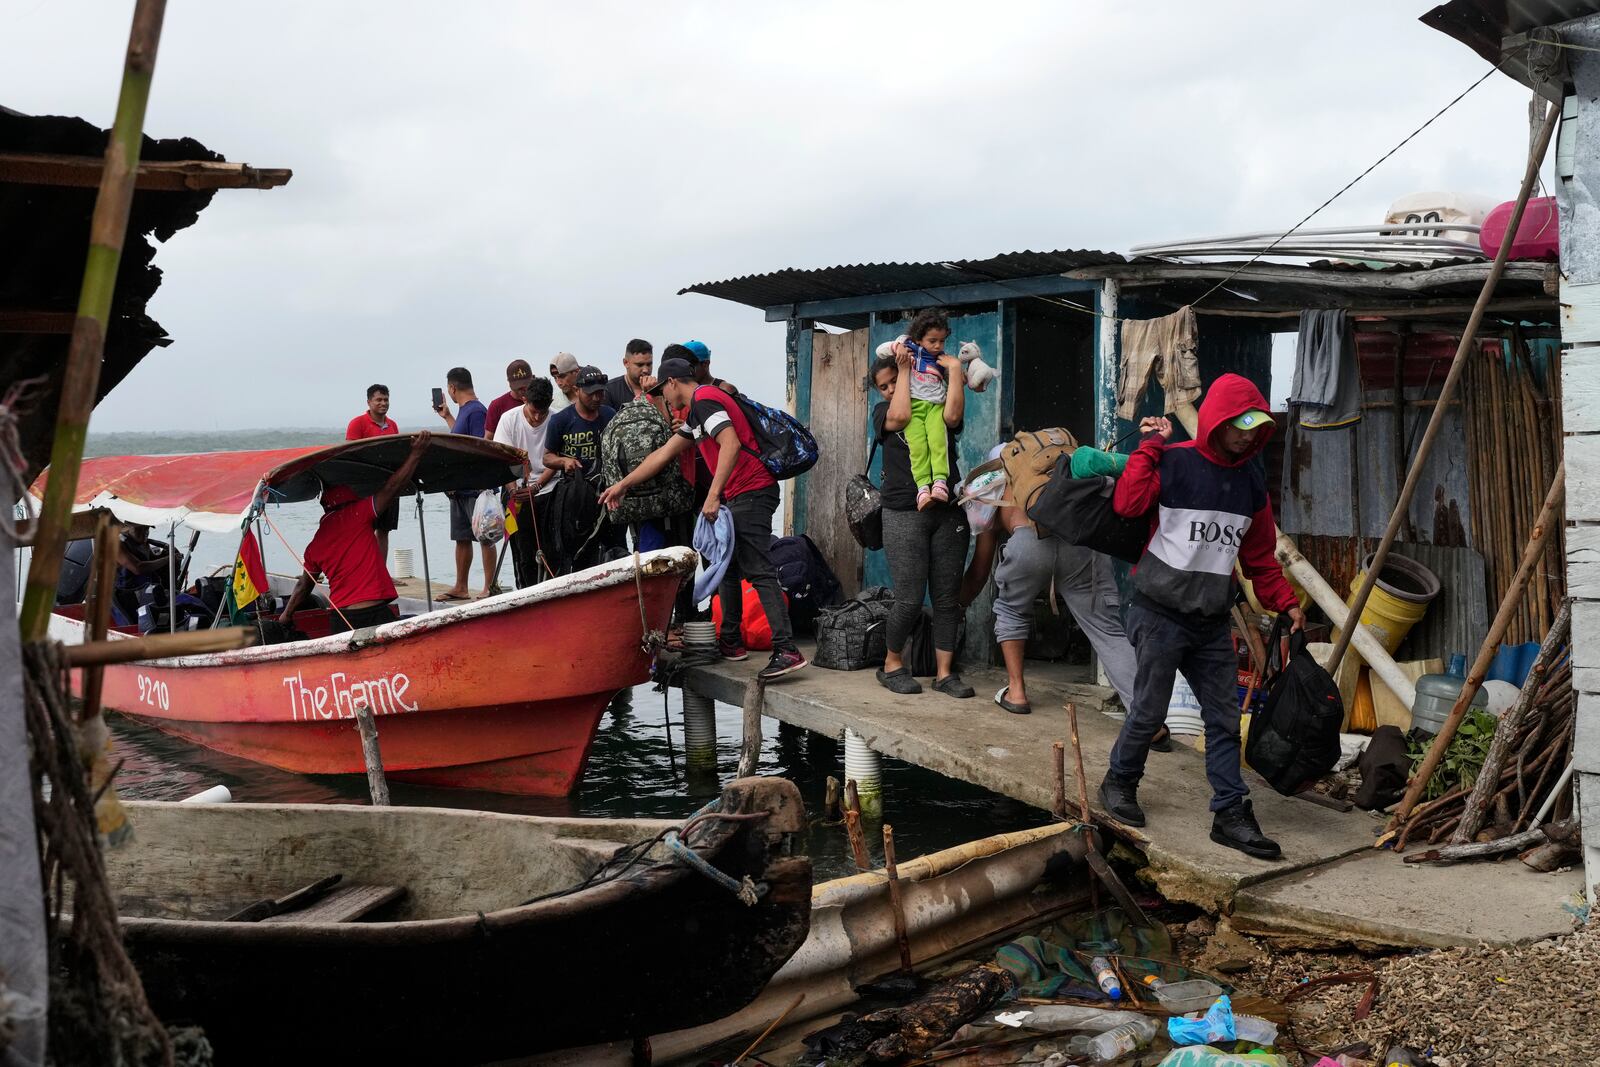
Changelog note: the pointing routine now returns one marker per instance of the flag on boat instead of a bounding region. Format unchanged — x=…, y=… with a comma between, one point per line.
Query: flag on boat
x=511, y=518
x=249, y=578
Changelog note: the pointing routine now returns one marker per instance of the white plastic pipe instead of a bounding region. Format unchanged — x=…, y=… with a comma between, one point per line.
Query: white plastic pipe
x=700, y=634
x=405, y=562
x=217, y=794
x=865, y=768
x=699, y=729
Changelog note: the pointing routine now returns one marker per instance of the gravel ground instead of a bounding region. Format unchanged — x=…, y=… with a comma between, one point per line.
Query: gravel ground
x=1472, y=1007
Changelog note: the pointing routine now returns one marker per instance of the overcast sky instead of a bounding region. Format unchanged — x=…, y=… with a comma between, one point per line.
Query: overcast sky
x=476, y=182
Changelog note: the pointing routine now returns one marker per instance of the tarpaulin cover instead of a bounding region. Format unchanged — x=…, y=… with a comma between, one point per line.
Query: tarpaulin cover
x=212, y=490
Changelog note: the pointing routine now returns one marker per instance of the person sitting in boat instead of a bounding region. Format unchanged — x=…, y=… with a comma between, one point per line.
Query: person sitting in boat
x=345, y=548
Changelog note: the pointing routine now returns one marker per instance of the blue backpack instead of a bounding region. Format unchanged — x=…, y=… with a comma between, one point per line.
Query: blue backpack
x=783, y=445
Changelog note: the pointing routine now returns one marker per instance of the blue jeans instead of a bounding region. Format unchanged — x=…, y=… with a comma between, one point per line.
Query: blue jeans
x=650, y=536
x=1203, y=650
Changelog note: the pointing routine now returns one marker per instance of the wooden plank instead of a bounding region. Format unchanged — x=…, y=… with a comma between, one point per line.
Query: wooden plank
x=839, y=364
x=1580, y=389
x=1585, y=640
x=19, y=320
x=344, y=904
x=1580, y=312
x=1583, y=562
x=1586, y=734
x=1583, y=478
x=40, y=168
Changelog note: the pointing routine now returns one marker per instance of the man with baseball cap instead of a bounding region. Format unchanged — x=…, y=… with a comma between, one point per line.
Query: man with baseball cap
x=572, y=446
x=564, y=370
x=518, y=377
x=1208, y=509
x=716, y=424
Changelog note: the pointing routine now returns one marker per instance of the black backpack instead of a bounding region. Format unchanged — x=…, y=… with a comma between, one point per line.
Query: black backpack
x=573, y=515
x=1079, y=511
x=806, y=577
x=1294, y=738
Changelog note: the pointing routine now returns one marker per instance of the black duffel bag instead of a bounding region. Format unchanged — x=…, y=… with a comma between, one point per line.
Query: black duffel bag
x=851, y=636
x=1294, y=738
x=1079, y=511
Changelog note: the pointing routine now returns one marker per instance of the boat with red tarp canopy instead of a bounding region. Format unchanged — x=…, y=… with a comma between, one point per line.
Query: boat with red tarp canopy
x=501, y=694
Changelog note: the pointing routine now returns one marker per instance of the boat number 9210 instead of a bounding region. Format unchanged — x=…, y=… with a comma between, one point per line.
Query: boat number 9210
x=153, y=693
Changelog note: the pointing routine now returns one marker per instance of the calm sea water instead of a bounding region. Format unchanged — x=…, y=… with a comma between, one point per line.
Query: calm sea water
x=636, y=767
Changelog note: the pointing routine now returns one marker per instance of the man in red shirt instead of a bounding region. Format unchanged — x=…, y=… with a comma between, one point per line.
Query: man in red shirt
x=717, y=425
x=518, y=376
x=345, y=549
x=375, y=422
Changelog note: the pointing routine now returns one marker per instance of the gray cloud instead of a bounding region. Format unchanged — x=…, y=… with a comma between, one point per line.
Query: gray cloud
x=511, y=180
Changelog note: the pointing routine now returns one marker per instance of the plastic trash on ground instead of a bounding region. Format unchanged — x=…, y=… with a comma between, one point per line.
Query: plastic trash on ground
x=1181, y=998
x=1215, y=1025
x=1259, y=1032
x=1207, y=1056
x=1131, y=1036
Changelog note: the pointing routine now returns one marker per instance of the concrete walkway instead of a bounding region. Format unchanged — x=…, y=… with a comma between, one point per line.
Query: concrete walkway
x=975, y=741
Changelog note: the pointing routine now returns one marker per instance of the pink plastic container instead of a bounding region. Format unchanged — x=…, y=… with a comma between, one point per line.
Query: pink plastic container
x=1537, y=237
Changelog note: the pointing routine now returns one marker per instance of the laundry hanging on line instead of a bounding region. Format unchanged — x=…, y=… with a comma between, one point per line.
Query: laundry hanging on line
x=1166, y=349
x=1327, y=374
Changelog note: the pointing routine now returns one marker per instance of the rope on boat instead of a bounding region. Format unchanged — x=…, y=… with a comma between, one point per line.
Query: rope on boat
x=652, y=641
x=748, y=892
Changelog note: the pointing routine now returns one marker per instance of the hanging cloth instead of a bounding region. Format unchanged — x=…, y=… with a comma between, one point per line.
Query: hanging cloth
x=1327, y=375
x=1166, y=349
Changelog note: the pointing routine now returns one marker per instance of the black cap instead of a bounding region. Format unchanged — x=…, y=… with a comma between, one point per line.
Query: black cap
x=672, y=368
x=591, y=380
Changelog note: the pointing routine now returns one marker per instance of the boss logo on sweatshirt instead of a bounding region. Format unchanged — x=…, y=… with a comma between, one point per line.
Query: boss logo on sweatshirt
x=1192, y=539
x=1227, y=534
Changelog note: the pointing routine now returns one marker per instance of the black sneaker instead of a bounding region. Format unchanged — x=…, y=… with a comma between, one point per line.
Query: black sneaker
x=1236, y=827
x=899, y=681
x=780, y=664
x=1121, y=800
x=733, y=651
x=951, y=685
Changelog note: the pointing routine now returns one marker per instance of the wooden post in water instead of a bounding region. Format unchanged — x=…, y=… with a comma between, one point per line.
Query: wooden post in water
x=80, y=380
x=106, y=537
x=902, y=939
x=852, y=827
x=830, y=801
x=376, y=782
x=755, y=694
x=1059, y=751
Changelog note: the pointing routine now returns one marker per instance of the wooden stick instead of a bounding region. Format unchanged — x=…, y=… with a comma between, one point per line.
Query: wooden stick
x=1545, y=525
x=1058, y=762
x=97, y=610
x=80, y=380
x=858, y=839
x=1506, y=729
x=793, y=1004
x=376, y=782
x=1077, y=755
x=1455, y=853
x=755, y=693
x=158, y=646
x=901, y=938
x=1446, y=394
x=830, y=801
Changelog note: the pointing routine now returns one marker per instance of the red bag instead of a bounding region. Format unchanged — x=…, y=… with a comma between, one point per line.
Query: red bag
x=753, y=625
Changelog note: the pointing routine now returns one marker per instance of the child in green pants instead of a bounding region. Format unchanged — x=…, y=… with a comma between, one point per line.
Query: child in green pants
x=926, y=438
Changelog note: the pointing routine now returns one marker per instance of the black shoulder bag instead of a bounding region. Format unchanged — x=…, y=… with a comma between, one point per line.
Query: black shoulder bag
x=863, y=505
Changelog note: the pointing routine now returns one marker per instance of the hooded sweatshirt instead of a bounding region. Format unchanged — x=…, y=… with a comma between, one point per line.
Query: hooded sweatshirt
x=1209, y=509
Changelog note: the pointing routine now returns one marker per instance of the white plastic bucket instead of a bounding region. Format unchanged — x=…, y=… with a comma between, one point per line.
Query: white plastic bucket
x=1183, y=710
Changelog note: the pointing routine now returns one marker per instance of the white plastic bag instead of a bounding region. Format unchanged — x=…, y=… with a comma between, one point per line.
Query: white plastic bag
x=488, y=518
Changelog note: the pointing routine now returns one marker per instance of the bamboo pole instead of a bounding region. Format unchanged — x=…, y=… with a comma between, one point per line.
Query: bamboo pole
x=81, y=379
x=1447, y=391
x=158, y=646
x=98, y=608
x=902, y=939
x=1547, y=521
x=1506, y=729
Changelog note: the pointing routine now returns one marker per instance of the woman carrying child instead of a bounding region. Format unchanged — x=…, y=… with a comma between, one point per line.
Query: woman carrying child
x=924, y=537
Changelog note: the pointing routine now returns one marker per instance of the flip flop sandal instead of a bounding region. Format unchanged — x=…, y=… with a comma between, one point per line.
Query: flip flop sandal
x=448, y=596
x=1015, y=709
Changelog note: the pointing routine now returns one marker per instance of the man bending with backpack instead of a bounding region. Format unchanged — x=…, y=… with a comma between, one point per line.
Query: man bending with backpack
x=717, y=425
x=1208, y=506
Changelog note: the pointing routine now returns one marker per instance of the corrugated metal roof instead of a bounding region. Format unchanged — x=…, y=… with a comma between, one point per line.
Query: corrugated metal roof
x=794, y=286
x=1483, y=25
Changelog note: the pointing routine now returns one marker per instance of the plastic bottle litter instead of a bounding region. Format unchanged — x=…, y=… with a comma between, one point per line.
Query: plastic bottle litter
x=1106, y=977
x=1258, y=1031
x=1153, y=983
x=1129, y=1037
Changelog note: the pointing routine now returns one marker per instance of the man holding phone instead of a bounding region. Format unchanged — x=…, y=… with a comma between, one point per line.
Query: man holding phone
x=468, y=420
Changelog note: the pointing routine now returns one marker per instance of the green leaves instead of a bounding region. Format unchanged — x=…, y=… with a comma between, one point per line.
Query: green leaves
x=1463, y=759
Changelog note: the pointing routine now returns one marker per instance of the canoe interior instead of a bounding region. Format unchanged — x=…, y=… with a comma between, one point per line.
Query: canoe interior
x=207, y=861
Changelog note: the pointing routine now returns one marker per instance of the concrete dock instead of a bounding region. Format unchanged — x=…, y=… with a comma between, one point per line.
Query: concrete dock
x=1330, y=884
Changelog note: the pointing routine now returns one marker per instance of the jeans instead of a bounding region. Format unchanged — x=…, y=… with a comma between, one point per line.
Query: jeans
x=752, y=561
x=1202, y=649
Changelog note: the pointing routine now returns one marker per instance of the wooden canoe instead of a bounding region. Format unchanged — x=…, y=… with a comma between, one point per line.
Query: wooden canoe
x=457, y=969
x=502, y=694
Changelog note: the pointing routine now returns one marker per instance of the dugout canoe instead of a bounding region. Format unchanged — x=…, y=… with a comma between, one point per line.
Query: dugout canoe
x=456, y=969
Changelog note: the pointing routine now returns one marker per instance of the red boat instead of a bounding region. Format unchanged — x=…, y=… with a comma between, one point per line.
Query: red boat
x=501, y=694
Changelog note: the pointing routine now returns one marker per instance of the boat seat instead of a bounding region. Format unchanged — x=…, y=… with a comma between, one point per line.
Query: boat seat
x=343, y=904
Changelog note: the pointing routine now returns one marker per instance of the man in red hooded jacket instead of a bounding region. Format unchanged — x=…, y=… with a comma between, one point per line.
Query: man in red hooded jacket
x=1209, y=508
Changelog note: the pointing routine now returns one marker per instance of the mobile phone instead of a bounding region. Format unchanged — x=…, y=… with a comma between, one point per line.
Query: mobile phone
x=438, y=398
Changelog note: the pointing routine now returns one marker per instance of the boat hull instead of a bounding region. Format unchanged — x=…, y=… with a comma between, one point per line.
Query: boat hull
x=503, y=694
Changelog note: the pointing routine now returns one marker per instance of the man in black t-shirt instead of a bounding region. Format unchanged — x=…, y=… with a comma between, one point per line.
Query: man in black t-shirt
x=572, y=443
x=635, y=378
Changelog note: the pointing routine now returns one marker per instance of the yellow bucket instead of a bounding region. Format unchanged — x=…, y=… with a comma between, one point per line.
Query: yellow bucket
x=1399, y=600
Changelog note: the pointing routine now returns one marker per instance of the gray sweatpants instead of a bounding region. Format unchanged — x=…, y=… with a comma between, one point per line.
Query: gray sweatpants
x=1083, y=579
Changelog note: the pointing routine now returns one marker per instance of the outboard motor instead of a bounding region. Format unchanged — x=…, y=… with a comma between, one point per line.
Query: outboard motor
x=77, y=564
